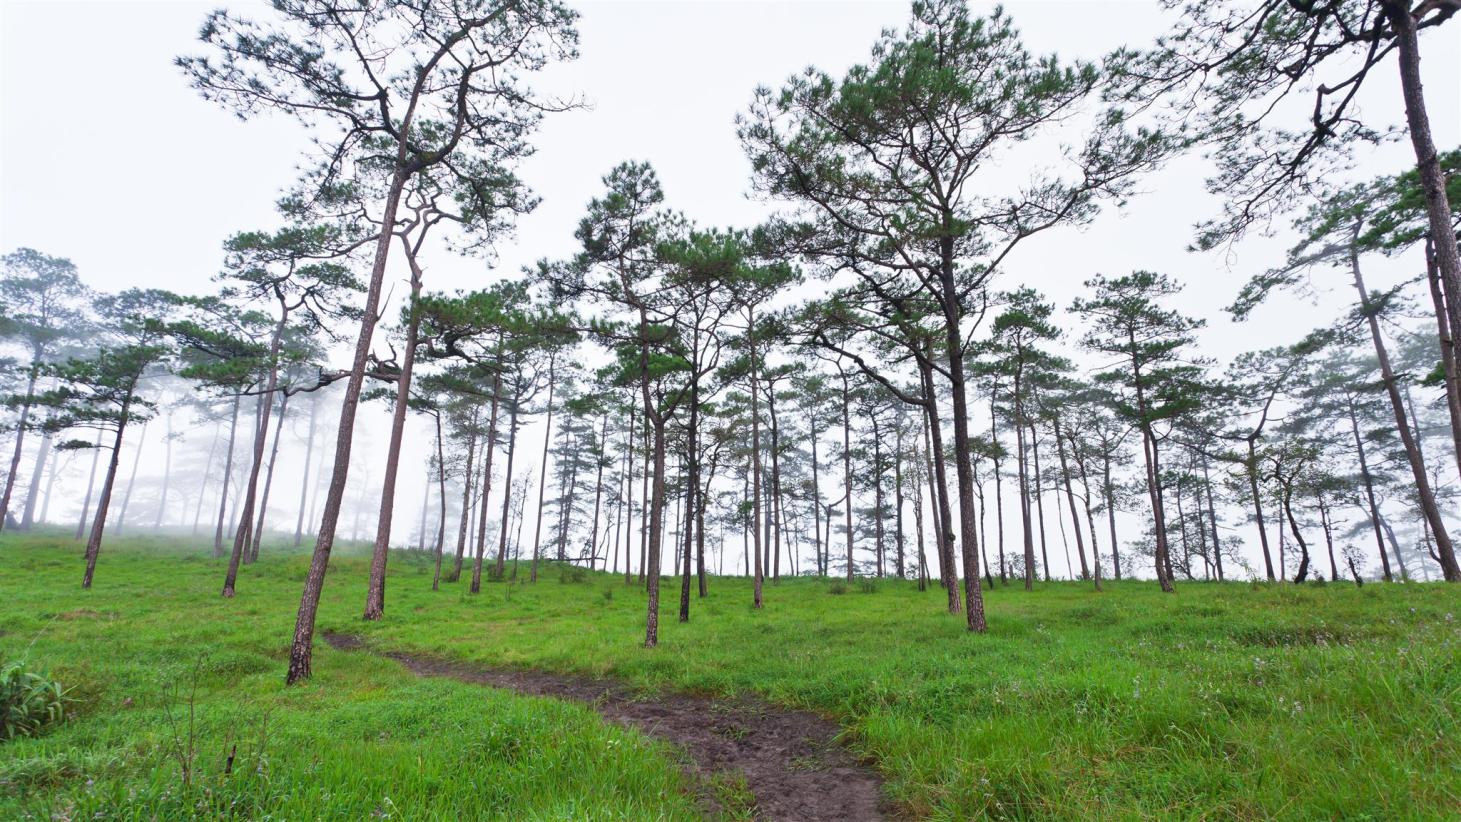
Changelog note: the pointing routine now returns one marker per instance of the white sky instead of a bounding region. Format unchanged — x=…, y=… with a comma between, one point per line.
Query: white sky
x=108, y=158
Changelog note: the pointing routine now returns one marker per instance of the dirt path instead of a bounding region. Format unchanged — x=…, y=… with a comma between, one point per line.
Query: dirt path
x=790, y=760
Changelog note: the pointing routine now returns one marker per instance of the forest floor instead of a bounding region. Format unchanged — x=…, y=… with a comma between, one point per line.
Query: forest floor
x=1245, y=701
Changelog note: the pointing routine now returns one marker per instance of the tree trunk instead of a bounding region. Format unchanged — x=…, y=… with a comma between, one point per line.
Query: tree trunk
x=309, y=453
x=1075, y=520
x=593, y=537
x=98, y=525
x=227, y=478
x=1040, y=500
x=507, y=490
x=441, y=500
x=486, y=484
x=948, y=570
x=1026, y=524
x=1431, y=511
x=1369, y=483
x=846, y=471
x=261, y=438
x=755, y=392
x=464, y=522
x=302, y=647
x=258, y=536
x=132, y=479
x=898, y=504
x=1448, y=347
x=543, y=469
x=1217, y=546
x=20, y=424
x=375, y=593
x=27, y=517
x=1251, y=469
x=166, y=474
x=1432, y=181
x=963, y=447
x=90, y=484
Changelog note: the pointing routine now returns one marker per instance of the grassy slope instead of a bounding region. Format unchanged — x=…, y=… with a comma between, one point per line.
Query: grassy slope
x=1231, y=701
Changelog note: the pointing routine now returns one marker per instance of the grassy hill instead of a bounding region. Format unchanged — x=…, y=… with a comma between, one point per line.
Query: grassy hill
x=1225, y=701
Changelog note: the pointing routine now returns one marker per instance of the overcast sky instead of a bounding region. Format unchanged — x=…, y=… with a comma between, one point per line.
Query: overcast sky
x=108, y=158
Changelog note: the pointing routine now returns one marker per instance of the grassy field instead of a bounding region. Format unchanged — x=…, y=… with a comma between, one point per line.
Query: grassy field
x=1224, y=701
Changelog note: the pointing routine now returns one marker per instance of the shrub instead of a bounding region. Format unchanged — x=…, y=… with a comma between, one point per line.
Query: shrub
x=28, y=701
x=867, y=586
x=839, y=587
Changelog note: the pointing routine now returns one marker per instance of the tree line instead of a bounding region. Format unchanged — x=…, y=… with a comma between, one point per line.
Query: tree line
x=803, y=386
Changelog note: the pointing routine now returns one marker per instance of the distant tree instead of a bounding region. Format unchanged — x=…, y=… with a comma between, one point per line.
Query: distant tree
x=1154, y=377
x=883, y=167
x=103, y=392
x=42, y=304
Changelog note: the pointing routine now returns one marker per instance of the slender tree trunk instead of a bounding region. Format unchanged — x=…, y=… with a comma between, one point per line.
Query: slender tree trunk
x=464, y=522
x=948, y=569
x=1368, y=481
x=1448, y=347
x=309, y=453
x=1432, y=181
x=898, y=504
x=20, y=426
x=1251, y=469
x=1109, y=492
x=132, y=479
x=758, y=579
x=543, y=470
x=302, y=647
x=593, y=537
x=998, y=482
x=51, y=484
x=507, y=487
x=27, y=516
x=261, y=438
x=227, y=478
x=776, y=511
x=375, y=594
x=1027, y=527
x=877, y=478
x=629, y=493
x=1075, y=520
x=166, y=474
x=488, y=447
x=441, y=499
x=1039, y=500
x=846, y=472
x=258, y=536
x=1153, y=480
x=98, y=525
x=90, y=484
x=1431, y=511
x=203, y=483
x=963, y=446
x=1217, y=546
x=644, y=506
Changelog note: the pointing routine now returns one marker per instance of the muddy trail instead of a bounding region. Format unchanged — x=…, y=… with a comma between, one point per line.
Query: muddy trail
x=790, y=761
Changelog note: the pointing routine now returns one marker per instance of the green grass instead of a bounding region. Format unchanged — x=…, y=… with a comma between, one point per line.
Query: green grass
x=1223, y=701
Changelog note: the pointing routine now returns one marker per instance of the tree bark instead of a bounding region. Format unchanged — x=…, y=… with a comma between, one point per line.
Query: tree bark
x=302, y=647
x=90, y=484
x=375, y=594
x=309, y=453
x=20, y=425
x=543, y=470
x=132, y=479
x=1431, y=511
x=261, y=438
x=968, y=524
x=944, y=530
x=227, y=478
x=98, y=525
x=258, y=535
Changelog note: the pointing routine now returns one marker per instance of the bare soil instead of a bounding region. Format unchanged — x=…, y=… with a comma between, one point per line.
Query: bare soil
x=791, y=762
